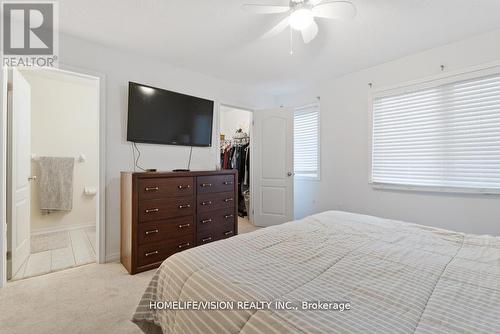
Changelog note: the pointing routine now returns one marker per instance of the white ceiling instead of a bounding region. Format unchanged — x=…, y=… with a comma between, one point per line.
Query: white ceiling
x=217, y=38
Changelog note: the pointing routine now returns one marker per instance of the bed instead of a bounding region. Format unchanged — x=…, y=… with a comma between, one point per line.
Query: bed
x=390, y=277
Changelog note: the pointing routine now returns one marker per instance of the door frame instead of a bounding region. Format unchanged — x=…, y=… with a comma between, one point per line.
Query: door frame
x=229, y=105
x=3, y=177
x=101, y=147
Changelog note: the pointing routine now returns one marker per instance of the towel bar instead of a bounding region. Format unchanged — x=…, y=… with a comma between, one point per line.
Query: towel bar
x=80, y=158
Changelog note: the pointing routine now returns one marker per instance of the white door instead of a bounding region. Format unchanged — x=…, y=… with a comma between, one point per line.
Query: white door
x=272, y=167
x=20, y=170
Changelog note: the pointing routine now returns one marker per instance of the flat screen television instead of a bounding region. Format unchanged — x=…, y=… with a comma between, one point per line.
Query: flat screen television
x=163, y=117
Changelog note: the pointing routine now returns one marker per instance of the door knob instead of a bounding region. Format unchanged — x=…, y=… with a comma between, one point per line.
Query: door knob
x=32, y=178
x=289, y=173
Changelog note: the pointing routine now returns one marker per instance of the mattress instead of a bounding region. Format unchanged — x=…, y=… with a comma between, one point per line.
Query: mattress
x=334, y=272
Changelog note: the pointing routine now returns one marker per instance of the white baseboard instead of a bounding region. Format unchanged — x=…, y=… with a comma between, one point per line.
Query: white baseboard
x=113, y=257
x=60, y=228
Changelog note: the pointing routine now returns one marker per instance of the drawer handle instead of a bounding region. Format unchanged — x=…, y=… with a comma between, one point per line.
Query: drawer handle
x=184, y=225
x=184, y=187
x=204, y=221
x=151, y=232
x=151, y=210
x=226, y=183
x=206, y=239
x=228, y=233
x=204, y=185
x=228, y=200
x=206, y=203
x=151, y=253
x=185, y=206
x=228, y=216
x=184, y=245
x=152, y=188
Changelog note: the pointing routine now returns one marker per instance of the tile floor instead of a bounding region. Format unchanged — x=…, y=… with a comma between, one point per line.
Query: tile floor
x=81, y=250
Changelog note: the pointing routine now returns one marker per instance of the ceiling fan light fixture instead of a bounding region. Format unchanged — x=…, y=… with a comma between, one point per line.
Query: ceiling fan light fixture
x=301, y=18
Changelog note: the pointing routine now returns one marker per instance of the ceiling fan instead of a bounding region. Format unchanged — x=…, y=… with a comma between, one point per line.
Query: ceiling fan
x=303, y=13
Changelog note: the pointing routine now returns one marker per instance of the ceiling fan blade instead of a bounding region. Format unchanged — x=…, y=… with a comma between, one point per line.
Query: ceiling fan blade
x=309, y=33
x=277, y=28
x=314, y=2
x=265, y=9
x=335, y=10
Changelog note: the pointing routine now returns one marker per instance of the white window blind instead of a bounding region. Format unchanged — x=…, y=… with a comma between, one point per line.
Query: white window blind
x=445, y=137
x=306, y=141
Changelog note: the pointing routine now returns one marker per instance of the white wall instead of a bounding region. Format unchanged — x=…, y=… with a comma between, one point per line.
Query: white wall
x=231, y=119
x=64, y=123
x=345, y=145
x=120, y=67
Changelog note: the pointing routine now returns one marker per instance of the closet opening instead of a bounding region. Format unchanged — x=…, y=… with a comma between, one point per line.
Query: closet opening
x=235, y=130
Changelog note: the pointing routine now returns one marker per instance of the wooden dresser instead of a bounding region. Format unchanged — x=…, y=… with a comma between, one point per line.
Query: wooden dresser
x=163, y=213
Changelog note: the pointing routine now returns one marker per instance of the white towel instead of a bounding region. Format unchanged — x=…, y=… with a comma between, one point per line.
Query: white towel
x=56, y=183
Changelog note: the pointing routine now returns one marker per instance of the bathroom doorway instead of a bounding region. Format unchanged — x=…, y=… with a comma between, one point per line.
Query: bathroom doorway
x=53, y=171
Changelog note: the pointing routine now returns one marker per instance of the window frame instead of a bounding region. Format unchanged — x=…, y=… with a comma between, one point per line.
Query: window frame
x=417, y=85
x=303, y=177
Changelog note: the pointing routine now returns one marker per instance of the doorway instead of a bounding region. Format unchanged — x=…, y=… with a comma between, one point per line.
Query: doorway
x=235, y=127
x=53, y=171
x=269, y=189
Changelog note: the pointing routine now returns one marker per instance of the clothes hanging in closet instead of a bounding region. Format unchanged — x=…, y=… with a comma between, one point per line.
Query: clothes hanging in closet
x=246, y=179
x=238, y=157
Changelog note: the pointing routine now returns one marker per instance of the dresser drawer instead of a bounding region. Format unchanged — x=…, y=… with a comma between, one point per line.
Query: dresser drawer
x=227, y=232
x=215, y=219
x=214, y=234
x=157, y=209
x=163, y=230
x=159, y=251
x=215, y=183
x=165, y=187
x=216, y=201
x=207, y=237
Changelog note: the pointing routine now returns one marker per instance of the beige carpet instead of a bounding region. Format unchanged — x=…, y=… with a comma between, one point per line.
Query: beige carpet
x=95, y=298
x=244, y=226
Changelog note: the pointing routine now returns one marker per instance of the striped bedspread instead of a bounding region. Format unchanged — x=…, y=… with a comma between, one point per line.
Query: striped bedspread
x=334, y=272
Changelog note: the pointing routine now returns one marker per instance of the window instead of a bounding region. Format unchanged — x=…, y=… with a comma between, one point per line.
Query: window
x=306, y=141
x=445, y=136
